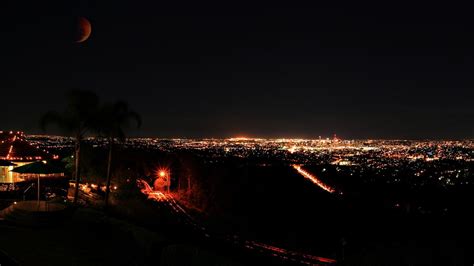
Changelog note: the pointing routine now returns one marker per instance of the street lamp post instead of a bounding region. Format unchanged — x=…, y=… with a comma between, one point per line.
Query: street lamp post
x=166, y=176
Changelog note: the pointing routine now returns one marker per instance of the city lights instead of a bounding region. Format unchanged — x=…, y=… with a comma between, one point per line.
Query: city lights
x=352, y=157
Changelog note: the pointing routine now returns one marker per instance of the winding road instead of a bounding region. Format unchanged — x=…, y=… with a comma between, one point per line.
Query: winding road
x=286, y=256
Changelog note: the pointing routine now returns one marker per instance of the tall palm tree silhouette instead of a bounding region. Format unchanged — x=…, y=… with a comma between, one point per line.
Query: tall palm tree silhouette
x=115, y=118
x=76, y=120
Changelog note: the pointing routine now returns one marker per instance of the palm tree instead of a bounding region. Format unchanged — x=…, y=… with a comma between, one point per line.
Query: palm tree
x=114, y=119
x=76, y=120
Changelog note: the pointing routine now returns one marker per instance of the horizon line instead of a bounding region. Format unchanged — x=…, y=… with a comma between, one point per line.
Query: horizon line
x=267, y=138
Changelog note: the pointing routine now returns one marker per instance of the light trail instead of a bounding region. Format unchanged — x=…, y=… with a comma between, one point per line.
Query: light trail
x=313, y=179
x=283, y=254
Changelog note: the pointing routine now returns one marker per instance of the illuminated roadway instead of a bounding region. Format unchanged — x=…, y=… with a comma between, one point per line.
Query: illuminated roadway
x=313, y=179
x=283, y=254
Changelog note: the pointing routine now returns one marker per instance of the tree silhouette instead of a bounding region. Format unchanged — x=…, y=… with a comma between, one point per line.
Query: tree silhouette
x=114, y=119
x=76, y=120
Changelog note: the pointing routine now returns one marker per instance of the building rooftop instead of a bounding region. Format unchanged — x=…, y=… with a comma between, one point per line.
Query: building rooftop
x=15, y=147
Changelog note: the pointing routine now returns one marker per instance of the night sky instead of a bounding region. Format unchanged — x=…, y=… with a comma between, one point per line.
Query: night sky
x=223, y=69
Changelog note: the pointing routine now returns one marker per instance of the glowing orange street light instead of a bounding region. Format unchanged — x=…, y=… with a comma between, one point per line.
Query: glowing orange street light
x=163, y=179
x=162, y=173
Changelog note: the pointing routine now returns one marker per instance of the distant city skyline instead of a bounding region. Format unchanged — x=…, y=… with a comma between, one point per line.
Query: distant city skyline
x=322, y=139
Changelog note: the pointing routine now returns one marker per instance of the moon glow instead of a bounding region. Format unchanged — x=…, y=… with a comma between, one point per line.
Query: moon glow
x=83, y=31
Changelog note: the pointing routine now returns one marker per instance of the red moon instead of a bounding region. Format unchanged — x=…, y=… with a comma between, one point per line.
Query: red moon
x=84, y=30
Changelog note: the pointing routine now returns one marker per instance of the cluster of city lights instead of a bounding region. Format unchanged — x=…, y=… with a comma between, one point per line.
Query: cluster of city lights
x=427, y=159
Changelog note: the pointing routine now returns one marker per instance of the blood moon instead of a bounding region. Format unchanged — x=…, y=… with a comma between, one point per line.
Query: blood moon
x=83, y=30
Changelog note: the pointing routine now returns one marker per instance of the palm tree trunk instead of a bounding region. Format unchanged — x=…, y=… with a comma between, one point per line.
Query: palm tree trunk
x=109, y=172
x=189, y=183
x=77, y=172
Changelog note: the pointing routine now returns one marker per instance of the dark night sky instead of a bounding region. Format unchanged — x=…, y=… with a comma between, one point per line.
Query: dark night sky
x=230, y=68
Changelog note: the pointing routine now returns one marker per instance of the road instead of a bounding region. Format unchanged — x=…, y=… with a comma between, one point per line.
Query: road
x=313, y=179
x=284, y=255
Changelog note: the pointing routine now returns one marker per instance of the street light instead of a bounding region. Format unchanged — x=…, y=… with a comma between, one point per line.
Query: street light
x=164, y=175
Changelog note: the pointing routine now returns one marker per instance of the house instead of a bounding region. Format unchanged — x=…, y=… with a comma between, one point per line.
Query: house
x=15, y=148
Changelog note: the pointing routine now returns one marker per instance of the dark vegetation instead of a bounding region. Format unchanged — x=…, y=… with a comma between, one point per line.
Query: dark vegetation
x=372, y=223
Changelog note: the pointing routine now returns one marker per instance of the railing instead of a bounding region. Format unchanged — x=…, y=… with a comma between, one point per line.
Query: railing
x=26, y=190
x=6, y=259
